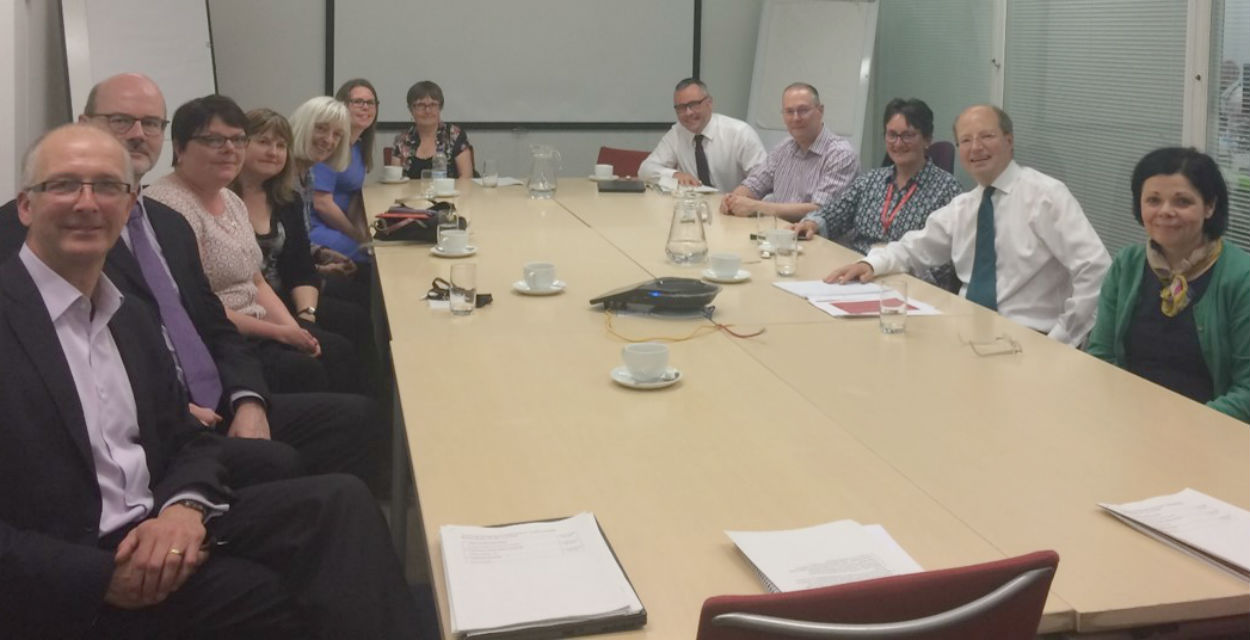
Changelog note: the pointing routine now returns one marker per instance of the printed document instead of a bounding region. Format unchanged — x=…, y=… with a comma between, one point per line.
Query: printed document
x=1193, y=522
x=823, y=555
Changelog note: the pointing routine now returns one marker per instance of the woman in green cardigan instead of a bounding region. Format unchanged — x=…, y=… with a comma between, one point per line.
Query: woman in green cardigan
x=1176, y=310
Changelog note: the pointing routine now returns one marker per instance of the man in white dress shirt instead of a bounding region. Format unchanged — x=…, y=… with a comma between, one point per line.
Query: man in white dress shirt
x=1019, y=240
x=703, y=148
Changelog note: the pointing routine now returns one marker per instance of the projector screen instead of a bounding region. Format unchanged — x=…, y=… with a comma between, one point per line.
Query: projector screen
x=559, y=62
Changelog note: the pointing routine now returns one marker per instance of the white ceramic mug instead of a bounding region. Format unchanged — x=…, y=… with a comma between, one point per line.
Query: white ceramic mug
x=603, y=171
x=454, y=241
x=646, y=361
x=539, y=276
x=725, y=265
x=391, y=173
x=444, y=186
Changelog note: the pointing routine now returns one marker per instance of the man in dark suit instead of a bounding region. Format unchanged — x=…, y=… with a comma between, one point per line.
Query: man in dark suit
x=332, y=432
x=111, y=496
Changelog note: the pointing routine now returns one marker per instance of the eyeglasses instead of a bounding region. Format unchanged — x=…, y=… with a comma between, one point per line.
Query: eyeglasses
x=122, y=123
x=426, y=106
x=985, y=137
x=689, y=106
x=102, y=189
x=906, y=137
x=364, y=102
x=798, y=112
x=215, y=141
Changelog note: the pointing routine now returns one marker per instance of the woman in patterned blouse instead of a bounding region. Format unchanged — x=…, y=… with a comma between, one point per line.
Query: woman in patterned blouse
x=415, y=148
x=883, y=204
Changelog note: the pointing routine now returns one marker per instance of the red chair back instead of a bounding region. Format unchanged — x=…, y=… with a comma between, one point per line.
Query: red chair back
x=625, y=162
x=902, y=598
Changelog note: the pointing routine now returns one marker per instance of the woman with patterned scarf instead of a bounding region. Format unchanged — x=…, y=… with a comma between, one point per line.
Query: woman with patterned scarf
x=1176, y=310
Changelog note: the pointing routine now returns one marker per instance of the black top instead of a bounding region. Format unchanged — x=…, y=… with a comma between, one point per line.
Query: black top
x=1165, y=350
x=286, y=254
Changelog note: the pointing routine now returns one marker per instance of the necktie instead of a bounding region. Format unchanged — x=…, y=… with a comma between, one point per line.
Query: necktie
x=983, y=287
x=198, y=370
x=700, y=161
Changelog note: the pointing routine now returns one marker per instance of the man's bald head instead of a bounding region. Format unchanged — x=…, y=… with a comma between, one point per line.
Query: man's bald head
x=121, y=105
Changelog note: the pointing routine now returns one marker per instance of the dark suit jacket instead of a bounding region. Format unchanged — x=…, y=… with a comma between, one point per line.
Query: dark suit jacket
x=237, y=364
x=53, y=575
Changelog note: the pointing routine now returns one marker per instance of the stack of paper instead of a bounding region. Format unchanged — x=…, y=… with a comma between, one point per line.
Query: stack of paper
x=851, y=299
x=831, y=553
x=536, y=580
x=1196, y=523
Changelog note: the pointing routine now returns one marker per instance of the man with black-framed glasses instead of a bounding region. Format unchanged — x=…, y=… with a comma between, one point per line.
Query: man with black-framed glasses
x=703, y=148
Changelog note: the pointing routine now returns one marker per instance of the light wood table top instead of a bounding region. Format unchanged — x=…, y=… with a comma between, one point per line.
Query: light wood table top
x=963, y=458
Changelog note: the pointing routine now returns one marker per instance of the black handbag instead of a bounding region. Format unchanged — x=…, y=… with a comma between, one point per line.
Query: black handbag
x=400, y=223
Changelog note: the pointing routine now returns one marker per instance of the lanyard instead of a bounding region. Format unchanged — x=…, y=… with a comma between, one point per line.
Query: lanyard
x=887, y=220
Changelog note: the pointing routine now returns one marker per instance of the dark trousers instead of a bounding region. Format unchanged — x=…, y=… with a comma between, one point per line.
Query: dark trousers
x=333, y=433
x=301, y=558
x=289, y=370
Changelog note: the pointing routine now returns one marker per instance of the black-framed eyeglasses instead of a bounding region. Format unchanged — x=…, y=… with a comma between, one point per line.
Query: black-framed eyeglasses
x=906, y=137
x=364, y=102
x=73, y=186
x=217, y=141
x=123, y=122
x=687, y=106
x=426, y=106
x=440, y=289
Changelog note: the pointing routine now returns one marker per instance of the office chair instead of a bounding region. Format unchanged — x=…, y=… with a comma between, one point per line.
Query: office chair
x=1001, y=600
x=625, y=162
x=942, y=153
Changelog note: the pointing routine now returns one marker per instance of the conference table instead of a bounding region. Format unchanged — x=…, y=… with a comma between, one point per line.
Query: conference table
x=509, y=414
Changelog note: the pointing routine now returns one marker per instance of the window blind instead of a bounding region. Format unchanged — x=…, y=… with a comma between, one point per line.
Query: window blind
x=1091, y=88
x=1228, y=110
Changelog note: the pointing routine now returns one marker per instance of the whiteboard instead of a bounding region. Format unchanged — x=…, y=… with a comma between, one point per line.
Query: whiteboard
x=566, y=61
x=167, y=41
x=825, y=43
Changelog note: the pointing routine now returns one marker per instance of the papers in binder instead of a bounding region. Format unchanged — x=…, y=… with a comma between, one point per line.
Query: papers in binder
x=519, y=580
x=1193, y=522
x=823, y=555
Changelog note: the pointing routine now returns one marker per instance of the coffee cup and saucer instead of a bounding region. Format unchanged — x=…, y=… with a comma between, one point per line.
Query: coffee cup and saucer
x=393, y=175
x=445, y=188
x=603, y=172
x=539, y=280
x=646, y=367
x=725, y=268
x=453, y=243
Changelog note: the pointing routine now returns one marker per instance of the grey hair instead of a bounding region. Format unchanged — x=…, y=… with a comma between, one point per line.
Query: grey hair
x=30, y=160
x=304, y=123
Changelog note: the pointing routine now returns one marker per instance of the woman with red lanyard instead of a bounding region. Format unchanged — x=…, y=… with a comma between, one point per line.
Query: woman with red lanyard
x=883, y=204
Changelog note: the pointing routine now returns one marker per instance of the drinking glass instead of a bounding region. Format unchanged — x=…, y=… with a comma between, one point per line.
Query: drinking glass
x=893, y=316
x=490, y=173
x=463, y=295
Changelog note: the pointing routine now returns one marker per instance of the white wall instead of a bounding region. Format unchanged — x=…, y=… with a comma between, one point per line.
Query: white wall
x=33, y=89
x=272, y=54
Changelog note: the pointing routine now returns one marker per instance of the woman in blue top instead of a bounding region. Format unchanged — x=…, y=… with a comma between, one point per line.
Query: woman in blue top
x=337, y=220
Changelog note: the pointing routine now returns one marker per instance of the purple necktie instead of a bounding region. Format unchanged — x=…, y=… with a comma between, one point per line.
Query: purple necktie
x=198, y=370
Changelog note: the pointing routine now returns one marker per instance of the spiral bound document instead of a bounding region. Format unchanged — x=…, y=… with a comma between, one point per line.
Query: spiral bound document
x=534, y=580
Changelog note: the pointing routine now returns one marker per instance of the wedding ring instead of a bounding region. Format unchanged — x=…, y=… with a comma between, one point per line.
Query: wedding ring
x=176, y=552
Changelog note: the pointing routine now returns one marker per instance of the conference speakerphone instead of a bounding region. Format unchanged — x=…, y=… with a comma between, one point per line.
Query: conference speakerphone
x=661, y=295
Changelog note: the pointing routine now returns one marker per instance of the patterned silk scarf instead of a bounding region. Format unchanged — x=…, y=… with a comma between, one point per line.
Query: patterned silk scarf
x=1175, y=292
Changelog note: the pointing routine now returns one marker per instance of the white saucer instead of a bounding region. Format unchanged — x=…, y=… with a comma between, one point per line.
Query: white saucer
x=438, y=251
x=450, y=194
x=598, y=179
x=742, y=276
x=620, y=375
x=556, y=287
x=403, y=180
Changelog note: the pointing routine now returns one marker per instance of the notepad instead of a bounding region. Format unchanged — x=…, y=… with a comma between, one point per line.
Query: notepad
x=823, y=555
x=1195, y=523
x=536, y=580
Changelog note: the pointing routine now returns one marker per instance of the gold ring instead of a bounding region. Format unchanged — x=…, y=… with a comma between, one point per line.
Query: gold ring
x=176, y=552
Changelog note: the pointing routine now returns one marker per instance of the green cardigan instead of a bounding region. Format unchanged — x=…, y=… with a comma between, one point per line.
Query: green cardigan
x=1222, y=316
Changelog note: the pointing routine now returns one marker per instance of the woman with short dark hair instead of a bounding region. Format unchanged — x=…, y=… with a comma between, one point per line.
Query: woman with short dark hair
x=1176, y=309
x=415, y=148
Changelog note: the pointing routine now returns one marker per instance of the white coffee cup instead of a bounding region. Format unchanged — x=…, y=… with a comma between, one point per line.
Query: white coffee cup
x=603, y=171
x=646, y=361
x=725, y=265
x=539, y=276
x=444, y=186
x=780, y=237
x=391, y=173
x=454, y=241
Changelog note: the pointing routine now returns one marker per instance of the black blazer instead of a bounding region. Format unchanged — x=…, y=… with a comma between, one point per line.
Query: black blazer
x=53, y=575
x=238, y=366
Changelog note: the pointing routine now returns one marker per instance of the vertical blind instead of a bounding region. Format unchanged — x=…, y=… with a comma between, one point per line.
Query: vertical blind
x=936, y=50
x=1228, y=110
x=1092, y=87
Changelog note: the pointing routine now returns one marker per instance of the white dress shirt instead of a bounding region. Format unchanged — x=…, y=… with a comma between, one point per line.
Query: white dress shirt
x=1050, y=260
x=733, y=149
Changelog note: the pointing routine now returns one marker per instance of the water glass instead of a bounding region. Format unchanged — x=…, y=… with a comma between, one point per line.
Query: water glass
x=463, y=298
x=893, y=316
x=427, y=184
x=490, y=173
x=785, y=244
